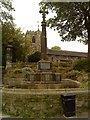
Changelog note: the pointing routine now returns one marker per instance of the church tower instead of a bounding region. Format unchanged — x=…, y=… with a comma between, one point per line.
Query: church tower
x=33, y=41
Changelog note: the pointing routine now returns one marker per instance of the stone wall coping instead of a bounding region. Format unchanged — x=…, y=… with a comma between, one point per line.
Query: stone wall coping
x=9, y=46
x=45, y=72
x=45, y=91
x=57, y=73
x=44, y=61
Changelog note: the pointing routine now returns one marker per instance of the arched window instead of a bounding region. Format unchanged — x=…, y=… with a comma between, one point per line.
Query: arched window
x=33, y=39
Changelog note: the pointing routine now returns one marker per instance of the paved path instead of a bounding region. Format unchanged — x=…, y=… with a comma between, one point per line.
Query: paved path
x=62, y=118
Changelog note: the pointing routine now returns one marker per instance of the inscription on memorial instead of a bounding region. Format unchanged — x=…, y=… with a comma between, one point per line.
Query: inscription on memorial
x=58, y=77
x=32, y=77
x=45, y=66
x=47, y=77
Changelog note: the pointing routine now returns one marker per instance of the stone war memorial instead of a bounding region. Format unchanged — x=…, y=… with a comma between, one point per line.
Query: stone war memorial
x=44, y=73
x=44, y=66
x=54, y=87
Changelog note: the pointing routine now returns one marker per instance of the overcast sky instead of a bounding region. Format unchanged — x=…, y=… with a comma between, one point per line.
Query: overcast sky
x=27, y=16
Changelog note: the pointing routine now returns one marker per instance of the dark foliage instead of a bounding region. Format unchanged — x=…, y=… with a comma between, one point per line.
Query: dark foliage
x=34, y=57
x=81, y=65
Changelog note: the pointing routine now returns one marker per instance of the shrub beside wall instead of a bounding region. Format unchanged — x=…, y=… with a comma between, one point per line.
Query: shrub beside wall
x=81, y=65
x=73, y=74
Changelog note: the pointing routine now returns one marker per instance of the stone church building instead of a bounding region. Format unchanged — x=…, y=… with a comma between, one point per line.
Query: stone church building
x=34, y=42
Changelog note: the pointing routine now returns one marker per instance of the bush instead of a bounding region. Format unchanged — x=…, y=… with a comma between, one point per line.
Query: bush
x=17, y=70
x=34, y=57
x=65, y=64
x=81, y=65
x=73, y=74
x=85, y=84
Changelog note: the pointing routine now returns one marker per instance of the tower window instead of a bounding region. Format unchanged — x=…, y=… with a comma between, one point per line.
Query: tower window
x=33, y=39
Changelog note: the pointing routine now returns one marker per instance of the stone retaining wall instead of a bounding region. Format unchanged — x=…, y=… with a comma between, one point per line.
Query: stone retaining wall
x=40, y=106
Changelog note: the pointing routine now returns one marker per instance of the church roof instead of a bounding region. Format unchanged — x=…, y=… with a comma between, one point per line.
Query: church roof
x=66, y=53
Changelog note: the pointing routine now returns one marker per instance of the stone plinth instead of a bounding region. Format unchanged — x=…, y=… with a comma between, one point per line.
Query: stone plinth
x=44, y=77
x=44, y=73
x=56, y=77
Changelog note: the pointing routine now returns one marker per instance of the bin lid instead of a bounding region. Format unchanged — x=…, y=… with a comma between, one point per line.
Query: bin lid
x=68, y=95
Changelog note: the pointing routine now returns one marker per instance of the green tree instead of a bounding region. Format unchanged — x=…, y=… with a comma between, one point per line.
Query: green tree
x=56, y=48
x=5, y=16
x=13, y=34
x=5, y=10
x=27, y=45
x=7, y=35
x=18, y=45
x=72, y=20
x=8, y=32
